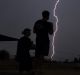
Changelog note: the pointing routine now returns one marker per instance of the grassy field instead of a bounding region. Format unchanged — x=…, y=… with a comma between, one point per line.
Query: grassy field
x=10, y=68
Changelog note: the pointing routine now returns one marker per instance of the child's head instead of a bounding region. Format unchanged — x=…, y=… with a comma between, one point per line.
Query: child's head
x=26, y=32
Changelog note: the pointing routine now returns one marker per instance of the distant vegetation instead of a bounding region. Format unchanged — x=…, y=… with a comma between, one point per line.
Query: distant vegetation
x=4, y=55
x=76, y=60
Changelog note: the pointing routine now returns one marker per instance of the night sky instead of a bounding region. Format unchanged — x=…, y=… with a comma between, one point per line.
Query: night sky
x=15, y=15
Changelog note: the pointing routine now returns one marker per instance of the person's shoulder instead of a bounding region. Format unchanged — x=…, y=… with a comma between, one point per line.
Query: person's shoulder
x=28, y=39
x=21, y=38
x=50, y=23
x=38, y=21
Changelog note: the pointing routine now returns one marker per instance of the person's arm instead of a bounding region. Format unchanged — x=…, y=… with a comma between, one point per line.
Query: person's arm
x=34, y=28
x=32, y=44
x=51, y=29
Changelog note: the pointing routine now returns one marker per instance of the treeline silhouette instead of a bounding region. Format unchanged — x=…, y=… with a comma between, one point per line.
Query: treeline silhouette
x=75, y=61
x=4, y=55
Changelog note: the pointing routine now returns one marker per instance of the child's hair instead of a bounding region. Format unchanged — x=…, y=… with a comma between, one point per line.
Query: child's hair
x=27, y=30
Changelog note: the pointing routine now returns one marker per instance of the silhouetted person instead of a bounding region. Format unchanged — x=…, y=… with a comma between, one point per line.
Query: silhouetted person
x=23, y=47
x=42, y=28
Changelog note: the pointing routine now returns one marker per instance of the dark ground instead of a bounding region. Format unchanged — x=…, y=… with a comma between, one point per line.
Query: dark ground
x=48, y=68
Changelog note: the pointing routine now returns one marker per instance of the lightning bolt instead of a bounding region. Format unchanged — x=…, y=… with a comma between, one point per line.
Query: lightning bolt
x=54, y=14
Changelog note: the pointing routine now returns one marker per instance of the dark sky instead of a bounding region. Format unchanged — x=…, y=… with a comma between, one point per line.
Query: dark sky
x=18, y=14
x=67, y=42
x=15, y=15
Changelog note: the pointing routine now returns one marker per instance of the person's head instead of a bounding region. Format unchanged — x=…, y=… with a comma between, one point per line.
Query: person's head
x=26, y=32
x=45, y=14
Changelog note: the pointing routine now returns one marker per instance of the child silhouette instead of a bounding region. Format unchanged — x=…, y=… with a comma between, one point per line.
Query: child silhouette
x=23, y=56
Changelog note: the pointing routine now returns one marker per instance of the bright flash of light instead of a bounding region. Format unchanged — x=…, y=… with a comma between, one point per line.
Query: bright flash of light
x=54, y=14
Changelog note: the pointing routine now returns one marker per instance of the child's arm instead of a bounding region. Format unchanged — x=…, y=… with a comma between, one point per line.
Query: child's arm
x=33, y=46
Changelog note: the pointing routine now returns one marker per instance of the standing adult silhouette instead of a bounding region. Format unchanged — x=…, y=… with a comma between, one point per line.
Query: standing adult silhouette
x=42, y=28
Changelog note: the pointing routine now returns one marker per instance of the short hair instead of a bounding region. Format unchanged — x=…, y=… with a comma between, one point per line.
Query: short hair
x=27, y=30
x=45, y=13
